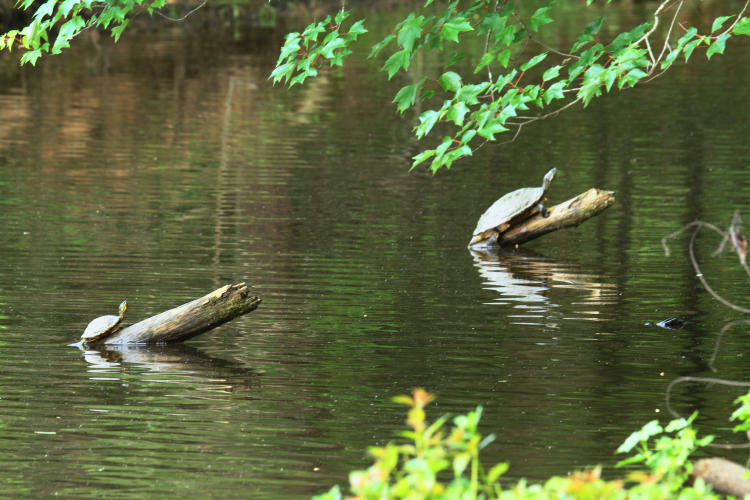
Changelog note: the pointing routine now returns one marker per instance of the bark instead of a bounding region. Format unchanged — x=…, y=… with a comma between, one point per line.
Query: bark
x=724, y=476
x=190, y=319
x=570, y=213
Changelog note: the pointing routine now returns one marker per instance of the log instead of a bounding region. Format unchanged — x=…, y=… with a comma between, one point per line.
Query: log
x=190, y=319
x=723, y=475
x=569, y=213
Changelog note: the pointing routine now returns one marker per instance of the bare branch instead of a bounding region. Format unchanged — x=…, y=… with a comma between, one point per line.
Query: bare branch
x=179, y=19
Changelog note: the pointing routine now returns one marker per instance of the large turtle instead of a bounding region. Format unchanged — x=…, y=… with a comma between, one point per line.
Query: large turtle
x=103, y=326
x=511, y=209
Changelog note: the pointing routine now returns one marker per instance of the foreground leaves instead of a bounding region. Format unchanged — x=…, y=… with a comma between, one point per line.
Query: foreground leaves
x=441, y=461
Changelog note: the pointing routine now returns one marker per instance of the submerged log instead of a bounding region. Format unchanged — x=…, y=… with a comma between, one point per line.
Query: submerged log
x=570, y=213
x=724, y=476
x=190, y=319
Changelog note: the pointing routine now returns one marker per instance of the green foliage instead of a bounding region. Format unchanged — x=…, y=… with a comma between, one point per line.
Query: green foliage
x=56, y=22
x=475, y=108
x=301, y=51
x=667, y=460
x=505, y=88
x=436, y=461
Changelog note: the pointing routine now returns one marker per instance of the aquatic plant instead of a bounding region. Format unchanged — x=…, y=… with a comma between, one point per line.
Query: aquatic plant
x=439, y=460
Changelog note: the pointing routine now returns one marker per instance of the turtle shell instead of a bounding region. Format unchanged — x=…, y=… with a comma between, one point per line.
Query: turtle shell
x=514, y=206
x=101, y=327
x=104, y=326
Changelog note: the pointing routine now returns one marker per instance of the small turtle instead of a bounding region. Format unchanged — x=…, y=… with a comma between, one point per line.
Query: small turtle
x=104, y=326
x=509, y=210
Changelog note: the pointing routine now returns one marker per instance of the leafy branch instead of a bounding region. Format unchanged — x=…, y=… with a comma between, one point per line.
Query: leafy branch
x=301, y=51
x=527, y=88
x=55, y=23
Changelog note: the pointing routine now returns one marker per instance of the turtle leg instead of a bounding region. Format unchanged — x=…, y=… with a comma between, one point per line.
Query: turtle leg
x=492, y=240
x=543, y=211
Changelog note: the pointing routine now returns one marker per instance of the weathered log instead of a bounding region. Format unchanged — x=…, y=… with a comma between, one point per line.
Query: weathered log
x=723, y=475
x=190, y=319
x=570, y=213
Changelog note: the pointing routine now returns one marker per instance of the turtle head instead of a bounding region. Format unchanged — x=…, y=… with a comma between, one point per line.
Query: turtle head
x=123, y=308
x=548, y=178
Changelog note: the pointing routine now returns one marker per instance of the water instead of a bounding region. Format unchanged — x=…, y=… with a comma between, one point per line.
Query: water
x=166, y=166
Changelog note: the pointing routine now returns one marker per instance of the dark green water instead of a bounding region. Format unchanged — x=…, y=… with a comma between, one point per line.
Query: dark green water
x=166, y=166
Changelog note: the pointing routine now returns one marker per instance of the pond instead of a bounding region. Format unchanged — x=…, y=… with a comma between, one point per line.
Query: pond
x=165, y=166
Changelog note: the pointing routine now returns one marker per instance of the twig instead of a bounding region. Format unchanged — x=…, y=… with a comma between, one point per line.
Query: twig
x=718, y=339
x=691, y=252
x=707, y=380
x=179, y=19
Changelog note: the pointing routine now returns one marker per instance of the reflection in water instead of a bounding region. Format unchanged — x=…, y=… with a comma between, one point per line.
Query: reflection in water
x=177, y=358
x=529, y=282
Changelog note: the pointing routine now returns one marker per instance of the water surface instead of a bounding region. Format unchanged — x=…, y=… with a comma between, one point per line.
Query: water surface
x=166, y=166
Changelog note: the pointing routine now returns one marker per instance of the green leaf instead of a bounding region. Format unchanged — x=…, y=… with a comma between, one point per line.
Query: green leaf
x=450, y=81
x=342, y=14
x=533, y=61
x=540, y=17
x=411, y=29
x=421, y=157
x=397, y=61
x=406, y=96
x=455, y=57
x=497, y=471
x=30, y=57
x=486, y=59
x=460, y=462
x=290, y=48
x=468, y=136
x=489, y=130
x=469, y=93
x=45, y=9
x=494, y=22
x=381, y=45
x=282, y=71
x=628, y=37
x=690, y=46
x=551, y=73
x=427, y=120
x=593, y=27
x=650, y=429
x=504, y=57
x=717, y=47
x=426, y=93
x=66, y=6
x=742, y=27
x=357, y=29
x=328, y=49
x=555, y=91
x=456, y=113
x=631, y=77
x=67, y=31
x=719, y=22
x=679, y=423
x=580, y=42
x=689, y=34
x=332, y=494
x=451, y=29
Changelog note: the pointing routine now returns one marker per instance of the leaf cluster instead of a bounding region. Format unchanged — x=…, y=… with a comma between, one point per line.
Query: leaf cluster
x=668, y=457
x=508, y=86
x=435, y=461
x=56, y=22
x=301, y=51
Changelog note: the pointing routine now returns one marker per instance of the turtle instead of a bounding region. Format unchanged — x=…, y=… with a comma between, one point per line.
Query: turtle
x=510, y=209
x=104, y=326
